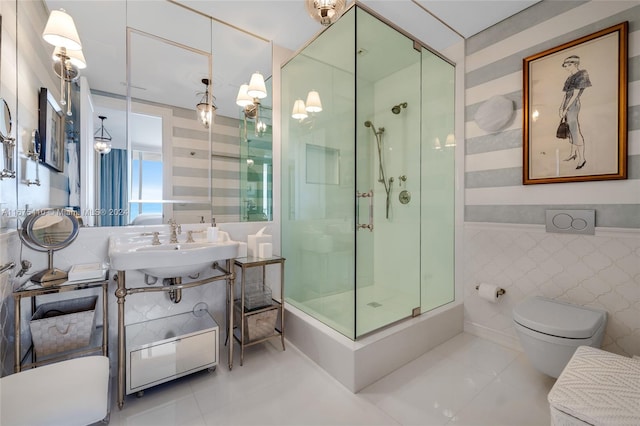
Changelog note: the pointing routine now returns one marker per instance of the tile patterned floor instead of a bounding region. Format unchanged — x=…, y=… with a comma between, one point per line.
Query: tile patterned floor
x=465, y=381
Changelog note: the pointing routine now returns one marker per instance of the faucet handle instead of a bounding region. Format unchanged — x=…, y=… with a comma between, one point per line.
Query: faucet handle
x=156, y=237
x=190, y=237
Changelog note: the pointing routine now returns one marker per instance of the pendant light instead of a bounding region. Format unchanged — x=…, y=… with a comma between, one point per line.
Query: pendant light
x=102, y=142
x=206, y=108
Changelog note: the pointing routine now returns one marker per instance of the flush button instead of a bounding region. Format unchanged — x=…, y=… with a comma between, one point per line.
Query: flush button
x=562, y=221
x=571, y=221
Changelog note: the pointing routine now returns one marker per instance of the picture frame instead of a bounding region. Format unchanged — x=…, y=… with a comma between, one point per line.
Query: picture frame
x=583, y=85
x=51, y=123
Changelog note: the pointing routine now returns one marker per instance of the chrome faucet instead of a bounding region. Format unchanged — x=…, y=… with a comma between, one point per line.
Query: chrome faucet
x=175, y=230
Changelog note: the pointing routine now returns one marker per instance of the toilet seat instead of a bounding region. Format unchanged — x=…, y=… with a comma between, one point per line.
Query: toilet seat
x=559, y=319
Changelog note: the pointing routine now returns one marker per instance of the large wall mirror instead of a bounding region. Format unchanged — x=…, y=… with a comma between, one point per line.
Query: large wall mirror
x=147, y=63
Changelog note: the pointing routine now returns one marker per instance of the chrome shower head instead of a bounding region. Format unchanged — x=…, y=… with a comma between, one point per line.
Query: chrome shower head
x=397, y=108
x=367, y=123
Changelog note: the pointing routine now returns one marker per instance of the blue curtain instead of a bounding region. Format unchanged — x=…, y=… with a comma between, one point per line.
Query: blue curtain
x=113, y=188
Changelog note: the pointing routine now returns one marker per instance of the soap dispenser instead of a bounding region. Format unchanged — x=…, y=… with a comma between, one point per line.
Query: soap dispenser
x=212, y=231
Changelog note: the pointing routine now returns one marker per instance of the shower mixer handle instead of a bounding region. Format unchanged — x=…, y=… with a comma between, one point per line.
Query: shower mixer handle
x=369, y=225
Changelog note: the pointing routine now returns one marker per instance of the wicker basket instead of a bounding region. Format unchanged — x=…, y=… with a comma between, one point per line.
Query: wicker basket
x=63, y=325
x=257, y=325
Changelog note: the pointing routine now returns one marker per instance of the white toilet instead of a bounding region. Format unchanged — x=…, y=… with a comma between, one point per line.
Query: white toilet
x=550, y=331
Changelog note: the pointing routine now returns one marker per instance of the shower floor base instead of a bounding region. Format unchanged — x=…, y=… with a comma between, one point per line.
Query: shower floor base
x=376, y=307
x=357, y=364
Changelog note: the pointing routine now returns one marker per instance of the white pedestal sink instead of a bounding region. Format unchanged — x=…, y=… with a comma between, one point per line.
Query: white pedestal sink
x=168, y=260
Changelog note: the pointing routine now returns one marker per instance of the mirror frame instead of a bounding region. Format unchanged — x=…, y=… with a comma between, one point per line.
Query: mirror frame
x=8, y=123
x=27, y=232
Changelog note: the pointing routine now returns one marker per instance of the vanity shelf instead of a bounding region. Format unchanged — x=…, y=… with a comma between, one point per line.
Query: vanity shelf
x=99, y=337
x=164, y=349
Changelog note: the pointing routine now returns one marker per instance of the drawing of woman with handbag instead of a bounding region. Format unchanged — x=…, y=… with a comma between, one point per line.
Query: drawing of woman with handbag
x=575, y=84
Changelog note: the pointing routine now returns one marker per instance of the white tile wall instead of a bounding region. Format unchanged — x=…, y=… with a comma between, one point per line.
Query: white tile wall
x=601, y=271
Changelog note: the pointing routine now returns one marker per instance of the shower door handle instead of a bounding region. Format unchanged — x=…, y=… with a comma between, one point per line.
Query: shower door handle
x=369, y=225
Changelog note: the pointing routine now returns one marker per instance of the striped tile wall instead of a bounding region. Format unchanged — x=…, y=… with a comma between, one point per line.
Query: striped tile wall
x=504, y=241
x=191, y=163
x=493, y=162
x=197, y=171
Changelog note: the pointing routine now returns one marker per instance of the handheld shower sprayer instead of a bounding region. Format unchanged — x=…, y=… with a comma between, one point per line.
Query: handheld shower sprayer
x=381, y=177
x=397, y=108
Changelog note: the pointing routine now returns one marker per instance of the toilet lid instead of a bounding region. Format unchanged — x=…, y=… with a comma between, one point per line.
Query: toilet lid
x=558, y=318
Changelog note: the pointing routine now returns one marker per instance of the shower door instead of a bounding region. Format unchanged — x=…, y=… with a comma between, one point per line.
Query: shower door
x=388, y=127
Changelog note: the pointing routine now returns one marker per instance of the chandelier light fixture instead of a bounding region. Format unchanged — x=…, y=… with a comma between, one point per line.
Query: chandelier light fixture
x=102, y=138
x=60, y=31
x=326, y=11
x=206, y=108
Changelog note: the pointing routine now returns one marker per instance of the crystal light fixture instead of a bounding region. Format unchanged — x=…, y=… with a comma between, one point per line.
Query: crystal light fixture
x=102, y=143
x=326, y=11
x=206, y=107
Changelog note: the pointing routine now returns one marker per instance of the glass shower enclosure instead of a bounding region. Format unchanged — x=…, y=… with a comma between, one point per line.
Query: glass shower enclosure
x=367, y=176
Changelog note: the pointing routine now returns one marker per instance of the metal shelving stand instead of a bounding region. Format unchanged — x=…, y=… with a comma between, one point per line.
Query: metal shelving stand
x=239, y=333
x=96, y=344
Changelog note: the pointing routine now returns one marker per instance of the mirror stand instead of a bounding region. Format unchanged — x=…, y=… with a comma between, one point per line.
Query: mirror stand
x=50, y=276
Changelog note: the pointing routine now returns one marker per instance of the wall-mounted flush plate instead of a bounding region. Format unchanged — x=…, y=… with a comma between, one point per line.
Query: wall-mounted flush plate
x=571, y=221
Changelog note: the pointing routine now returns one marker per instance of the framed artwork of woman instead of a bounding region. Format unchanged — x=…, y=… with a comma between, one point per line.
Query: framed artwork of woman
x=575, y=110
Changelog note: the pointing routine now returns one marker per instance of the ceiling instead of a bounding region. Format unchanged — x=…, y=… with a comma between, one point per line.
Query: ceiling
x=101, y=26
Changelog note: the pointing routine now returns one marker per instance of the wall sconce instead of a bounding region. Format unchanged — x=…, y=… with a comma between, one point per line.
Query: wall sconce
x=102, y=143
x=61, y=32
x=250, y=94
x=248, y=98
x=450, y=141
x=299, y=112
x=313, y=104
x=206, y=108
x=325, y=11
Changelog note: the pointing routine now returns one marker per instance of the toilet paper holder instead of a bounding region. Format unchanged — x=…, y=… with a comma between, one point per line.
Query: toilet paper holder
x=500, y=292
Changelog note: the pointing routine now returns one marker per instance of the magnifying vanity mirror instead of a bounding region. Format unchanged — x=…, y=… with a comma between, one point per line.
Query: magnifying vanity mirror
x=8, y=143
x=49, y=230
